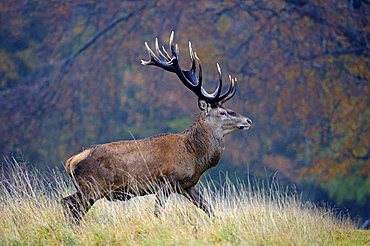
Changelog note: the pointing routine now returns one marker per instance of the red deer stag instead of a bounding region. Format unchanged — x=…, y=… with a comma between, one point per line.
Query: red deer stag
x=161, y=164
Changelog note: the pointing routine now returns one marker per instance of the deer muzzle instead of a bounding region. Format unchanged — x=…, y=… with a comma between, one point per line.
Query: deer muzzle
x=245, y=124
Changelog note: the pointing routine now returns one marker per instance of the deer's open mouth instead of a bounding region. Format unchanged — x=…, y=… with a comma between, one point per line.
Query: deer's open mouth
x=246, y=127
x=245, y=124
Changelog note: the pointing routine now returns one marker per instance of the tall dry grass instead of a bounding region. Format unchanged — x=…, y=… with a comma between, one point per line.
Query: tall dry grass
x=30, y=213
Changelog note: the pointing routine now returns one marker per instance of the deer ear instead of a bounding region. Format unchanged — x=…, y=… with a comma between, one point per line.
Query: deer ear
x=203, y=105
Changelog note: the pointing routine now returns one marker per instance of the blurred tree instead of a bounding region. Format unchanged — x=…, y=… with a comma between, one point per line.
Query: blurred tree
x=70, y=77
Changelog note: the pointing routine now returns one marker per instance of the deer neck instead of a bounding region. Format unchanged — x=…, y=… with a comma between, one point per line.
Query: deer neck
x=205, y=142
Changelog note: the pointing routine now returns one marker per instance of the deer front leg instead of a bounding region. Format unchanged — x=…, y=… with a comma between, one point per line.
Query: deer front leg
x=198, y=200
x=161, y=198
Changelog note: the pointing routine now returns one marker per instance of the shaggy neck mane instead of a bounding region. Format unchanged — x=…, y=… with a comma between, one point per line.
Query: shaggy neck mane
x=204, y=142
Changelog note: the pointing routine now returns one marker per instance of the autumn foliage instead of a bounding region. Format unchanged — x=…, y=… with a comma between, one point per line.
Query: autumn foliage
x=70, y=77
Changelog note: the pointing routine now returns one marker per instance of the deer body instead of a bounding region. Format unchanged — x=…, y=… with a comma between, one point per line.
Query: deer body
x=161, y=164
x=181, y=158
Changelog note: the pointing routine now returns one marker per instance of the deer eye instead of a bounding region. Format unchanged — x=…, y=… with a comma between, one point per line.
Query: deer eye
x=222, y=113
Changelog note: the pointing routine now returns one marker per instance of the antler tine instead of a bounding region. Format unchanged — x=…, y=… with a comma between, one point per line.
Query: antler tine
x=193, y=65
x=200, y=77
x=188, y=77
x=159, y=59
x=153, y=57
x=159, y=53
x=214, y=96
x=165, y=52
x=172, y=47
x=219, y=87
x=177, y=53
x=230, y=92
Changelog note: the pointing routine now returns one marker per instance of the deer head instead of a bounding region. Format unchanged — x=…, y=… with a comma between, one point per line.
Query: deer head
x=211, y=104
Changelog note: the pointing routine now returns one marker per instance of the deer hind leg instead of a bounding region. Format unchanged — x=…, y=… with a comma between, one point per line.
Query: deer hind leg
x=198, y=200
x=78, y=204
x=75, y=207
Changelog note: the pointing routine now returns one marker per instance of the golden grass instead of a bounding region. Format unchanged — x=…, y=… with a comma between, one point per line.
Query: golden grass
x=31, y=214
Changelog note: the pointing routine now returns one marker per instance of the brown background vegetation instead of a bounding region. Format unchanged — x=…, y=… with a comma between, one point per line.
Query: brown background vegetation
x=70, y=77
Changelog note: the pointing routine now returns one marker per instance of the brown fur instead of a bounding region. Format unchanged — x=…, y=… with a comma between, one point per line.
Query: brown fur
x=136, y=167
x=161, y=164
x=113, y=165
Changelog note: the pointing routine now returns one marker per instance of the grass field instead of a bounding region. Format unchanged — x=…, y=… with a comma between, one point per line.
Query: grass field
x=31, y=214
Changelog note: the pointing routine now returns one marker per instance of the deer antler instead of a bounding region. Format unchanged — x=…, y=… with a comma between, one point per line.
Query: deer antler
x=188, y=77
